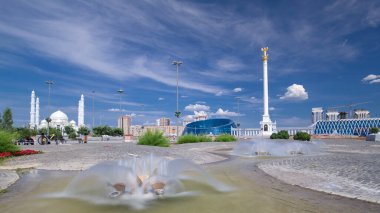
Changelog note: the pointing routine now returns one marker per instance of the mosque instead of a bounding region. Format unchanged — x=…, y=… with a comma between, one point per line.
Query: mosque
x=58, y=119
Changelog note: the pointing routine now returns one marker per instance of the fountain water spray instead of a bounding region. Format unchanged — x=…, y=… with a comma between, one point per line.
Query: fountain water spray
x=138, y=180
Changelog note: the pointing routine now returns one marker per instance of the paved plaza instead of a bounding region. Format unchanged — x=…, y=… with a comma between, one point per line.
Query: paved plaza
x=345, y=167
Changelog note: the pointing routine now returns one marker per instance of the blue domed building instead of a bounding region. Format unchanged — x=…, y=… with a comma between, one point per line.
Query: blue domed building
x=214, y=126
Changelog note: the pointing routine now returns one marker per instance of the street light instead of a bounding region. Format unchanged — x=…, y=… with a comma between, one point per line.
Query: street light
x=238, y=122
x=120, y=91
x=177, y=113
x=48, y=119
x=93, y=114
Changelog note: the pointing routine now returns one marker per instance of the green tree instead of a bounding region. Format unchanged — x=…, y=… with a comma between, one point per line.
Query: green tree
x=83, y=130
x=117, y=132
x=7, y=119
x=69, y=130
x=102, y=130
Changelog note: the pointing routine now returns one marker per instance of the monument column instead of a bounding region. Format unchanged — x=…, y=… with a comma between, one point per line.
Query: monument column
x=266, y=124
x=32, y=110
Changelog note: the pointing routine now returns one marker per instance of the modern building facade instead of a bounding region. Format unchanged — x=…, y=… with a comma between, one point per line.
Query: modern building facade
x=343, y=123
x=163, y=122
x=214, y=126
x=125, y=122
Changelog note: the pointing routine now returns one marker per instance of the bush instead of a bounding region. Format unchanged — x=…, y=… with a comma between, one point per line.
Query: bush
x=7, y=141
x=302, y=136
x=225, y=138
x=194, y=139
x=204, y=138
x=273, y=136
x=374, y=130
x=188, y=139
x=155, y=138
x=280, y=135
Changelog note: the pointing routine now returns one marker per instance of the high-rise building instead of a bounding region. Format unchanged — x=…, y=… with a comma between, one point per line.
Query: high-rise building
x=124, y=122
x=163, y=122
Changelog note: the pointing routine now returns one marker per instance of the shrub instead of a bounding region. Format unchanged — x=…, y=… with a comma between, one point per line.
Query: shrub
x=225, y=138
x=280, y=135
x=194, y=139
x=374, y=130
x=190, y=138
x=204, y=138
x=155, y=138
x=7, y=141
x=273, y=136
x=302, y=136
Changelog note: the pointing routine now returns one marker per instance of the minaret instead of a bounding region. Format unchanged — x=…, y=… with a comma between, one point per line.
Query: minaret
x=32, y=110
x=37, y=112
x=81, y=111
x=266, y=124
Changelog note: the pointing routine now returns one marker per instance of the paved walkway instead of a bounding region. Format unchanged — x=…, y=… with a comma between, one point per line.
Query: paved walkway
x=348, y=168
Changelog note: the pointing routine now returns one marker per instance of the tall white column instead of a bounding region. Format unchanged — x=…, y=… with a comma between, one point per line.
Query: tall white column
x=266, y=124
x=37, y=112
x=81, y=111
x=32, y=110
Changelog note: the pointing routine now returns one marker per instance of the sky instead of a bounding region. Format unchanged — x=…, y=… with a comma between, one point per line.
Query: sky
x=321, y=54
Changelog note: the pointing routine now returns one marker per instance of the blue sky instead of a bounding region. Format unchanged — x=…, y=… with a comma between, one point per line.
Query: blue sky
x=321, y=54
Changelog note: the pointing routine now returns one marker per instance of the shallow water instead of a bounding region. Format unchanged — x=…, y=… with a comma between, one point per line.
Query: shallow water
x=250, y=194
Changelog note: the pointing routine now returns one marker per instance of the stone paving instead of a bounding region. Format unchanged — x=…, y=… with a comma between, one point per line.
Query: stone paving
x=348, y=168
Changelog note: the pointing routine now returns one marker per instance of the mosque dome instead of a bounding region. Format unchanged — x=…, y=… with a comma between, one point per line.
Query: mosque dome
x=44, y=122
x=59, y=116
x=72, y=122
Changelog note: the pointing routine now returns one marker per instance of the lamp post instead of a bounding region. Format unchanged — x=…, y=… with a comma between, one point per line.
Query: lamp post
x=48, y=119
x=120, y=91
x=238, y=118
x=93, y=112
x=177, y=113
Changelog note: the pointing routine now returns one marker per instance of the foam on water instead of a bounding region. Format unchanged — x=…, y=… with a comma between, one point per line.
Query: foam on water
x=137, y=181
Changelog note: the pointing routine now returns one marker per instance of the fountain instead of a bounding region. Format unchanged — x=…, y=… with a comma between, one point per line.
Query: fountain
x=264, y=147
x=136, y=181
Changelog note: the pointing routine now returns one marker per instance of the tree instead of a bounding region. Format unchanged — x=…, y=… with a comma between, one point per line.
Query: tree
x=117, y=132
x=83, y=130
x=7, y=121
x=1, y=122
x=69, y=130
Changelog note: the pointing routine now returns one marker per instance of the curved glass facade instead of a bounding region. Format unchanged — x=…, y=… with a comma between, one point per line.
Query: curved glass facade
x=215, y=126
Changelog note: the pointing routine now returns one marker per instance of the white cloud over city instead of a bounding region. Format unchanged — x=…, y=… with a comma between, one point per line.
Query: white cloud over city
x=371, y=79
x=295, y=92
x=197, y=107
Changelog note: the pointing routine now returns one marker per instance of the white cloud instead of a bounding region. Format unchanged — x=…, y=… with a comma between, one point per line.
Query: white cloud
x=229, y=64
x=371, y=79
x=225, y=113
x=220, y=93
x=200, y=113
x=238, y=89
x=161, y=99
x=295, y=92
x=116, y=110
x=375, y=81
x=197, y=107
x=272, y=108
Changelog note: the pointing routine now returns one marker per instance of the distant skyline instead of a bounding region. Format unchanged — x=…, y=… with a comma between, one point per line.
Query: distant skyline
x=321, y=54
